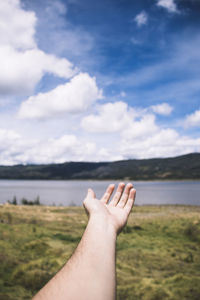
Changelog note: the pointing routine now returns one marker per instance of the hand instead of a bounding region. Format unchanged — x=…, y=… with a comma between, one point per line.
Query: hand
x=115, y=212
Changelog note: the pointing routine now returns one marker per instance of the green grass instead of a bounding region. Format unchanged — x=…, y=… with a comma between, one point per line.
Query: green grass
x=158, y=253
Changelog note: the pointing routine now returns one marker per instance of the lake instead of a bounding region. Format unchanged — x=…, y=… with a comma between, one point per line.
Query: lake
x=72, y=192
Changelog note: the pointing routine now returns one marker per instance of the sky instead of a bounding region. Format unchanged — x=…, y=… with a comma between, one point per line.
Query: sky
x=85, y=80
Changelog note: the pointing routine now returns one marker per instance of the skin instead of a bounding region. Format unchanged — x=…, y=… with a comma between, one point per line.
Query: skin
x=91, y=273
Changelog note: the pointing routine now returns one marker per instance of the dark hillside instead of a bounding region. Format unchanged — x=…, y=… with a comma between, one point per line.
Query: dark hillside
x=181, y=167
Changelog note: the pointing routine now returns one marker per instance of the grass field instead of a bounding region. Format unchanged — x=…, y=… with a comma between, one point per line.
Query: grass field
x=158, y=253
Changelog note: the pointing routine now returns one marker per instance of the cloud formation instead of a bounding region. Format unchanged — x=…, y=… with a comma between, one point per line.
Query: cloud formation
x=17, y=26
x=22, y=63
x=21, y=71
x=141, y=19
x=72, y=97
x=163, y=143
x=111, y=117
x=193, y=120
x=169, y=5
x=15, y=149
x=139, y=135
x=162, y=109
x=126, y=132
x=73, y=124
x=129, y=121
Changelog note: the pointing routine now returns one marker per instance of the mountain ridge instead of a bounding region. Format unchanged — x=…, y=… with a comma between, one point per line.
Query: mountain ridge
x=180, y=167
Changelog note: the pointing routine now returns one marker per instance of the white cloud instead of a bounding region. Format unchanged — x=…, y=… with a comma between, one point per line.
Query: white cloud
x=141, y=128
x=169, y=5
x=7, y=137
x=65, y=148
x=193, y=120
x=9, y=141
x=17, y=26
x=21, y=71
x=111, y=117
x=153, y=145
x=15, y=149
x=142, y=139
x=22, y=63
x=138, y=134
x=73, y=97
x=162, y=109
x=118, y=117
x=164, y=143
x=141, y=19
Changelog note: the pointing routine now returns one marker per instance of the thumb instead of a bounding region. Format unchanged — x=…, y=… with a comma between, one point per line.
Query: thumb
x=90, y=194
x=87, y=201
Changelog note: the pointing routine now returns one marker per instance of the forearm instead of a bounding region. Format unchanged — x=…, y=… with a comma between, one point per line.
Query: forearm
x=96, y=261
x=90, y=272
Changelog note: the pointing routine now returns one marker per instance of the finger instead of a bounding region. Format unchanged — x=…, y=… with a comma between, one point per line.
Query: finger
x=125, y=195
x=108, y=193
x=90, y=194
x=117, y=195
x=130, y=202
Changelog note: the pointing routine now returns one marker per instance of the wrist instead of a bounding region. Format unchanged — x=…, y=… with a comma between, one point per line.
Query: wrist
x=102, y=225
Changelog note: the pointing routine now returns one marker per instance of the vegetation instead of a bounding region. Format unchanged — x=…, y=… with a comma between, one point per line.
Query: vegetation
x=158, y=253
x=182, y=167
x=24, y=201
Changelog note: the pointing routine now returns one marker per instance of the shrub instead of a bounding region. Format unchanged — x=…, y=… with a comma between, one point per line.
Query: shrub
x=192, y=232
x=13, y=201
x=24, y=201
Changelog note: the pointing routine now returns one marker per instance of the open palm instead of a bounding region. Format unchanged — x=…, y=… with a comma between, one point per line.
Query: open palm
x=116, y=211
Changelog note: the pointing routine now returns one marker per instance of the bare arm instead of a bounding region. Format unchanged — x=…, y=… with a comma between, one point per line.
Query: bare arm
x=90, y=272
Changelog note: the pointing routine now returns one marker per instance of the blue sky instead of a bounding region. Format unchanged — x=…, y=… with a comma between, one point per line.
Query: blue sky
x=102, y=80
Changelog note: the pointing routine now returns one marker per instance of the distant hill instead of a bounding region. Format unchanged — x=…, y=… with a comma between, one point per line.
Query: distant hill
x=181, y=167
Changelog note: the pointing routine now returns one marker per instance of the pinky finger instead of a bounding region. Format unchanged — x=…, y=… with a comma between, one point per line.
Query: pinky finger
x=130, y=202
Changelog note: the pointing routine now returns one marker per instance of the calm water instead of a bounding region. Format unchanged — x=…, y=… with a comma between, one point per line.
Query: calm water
x=73, y=192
